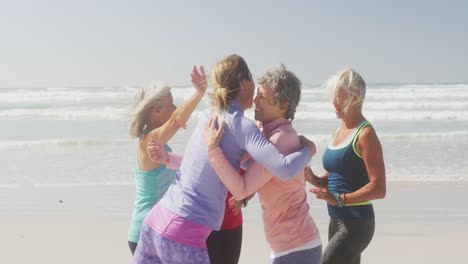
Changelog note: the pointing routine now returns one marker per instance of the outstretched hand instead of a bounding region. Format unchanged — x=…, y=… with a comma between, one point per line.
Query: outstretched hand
x=307, y=143
x=157, y=152
x=212, y=136
x=199, y=79
x=324, y=194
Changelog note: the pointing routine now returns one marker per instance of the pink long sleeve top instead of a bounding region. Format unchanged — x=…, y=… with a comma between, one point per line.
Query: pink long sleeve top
x=286, y=218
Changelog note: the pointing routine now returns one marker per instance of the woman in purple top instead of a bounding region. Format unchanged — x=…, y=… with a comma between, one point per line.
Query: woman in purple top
x=176, y=228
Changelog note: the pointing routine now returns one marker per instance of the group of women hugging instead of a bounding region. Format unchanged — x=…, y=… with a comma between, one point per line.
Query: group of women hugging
x=188, y=207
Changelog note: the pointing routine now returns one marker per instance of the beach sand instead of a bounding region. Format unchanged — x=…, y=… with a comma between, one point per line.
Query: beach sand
x=416, y=223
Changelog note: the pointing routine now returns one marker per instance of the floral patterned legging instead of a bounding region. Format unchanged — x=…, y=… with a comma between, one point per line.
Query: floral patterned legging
x=154, y=248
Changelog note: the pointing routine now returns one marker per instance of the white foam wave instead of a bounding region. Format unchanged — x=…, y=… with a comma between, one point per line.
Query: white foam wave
x=62, y=95
x=403, y=93
x=112, y=113
x=9, y=186
x=420, y=104
x=397, y=105
x=461, y=133
x=390, y=115
x=106, y=113
x=426, y=178
x=417, y=94
x=84, y=184
x=59, y=142
x=320, y=138
x=434, y=86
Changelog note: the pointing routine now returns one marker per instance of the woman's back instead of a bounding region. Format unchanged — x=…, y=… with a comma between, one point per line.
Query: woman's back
x=197, y=194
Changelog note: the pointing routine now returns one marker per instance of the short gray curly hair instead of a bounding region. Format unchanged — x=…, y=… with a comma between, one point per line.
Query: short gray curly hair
x=286, y=88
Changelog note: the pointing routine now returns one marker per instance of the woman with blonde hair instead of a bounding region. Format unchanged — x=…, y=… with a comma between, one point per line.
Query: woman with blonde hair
x=354, y=172
x=176, y=229
x=155, y=117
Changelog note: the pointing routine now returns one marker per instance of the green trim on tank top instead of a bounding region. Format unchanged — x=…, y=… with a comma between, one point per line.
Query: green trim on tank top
x=348, y=139
x=357, y=204
x=161, y=167
x=363, y=125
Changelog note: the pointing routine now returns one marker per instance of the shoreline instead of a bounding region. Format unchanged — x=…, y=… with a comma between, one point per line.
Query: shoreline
x=415, y=223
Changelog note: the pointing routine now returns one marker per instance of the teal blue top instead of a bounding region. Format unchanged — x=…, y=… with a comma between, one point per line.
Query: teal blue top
x=346, y=174
x=150, y=187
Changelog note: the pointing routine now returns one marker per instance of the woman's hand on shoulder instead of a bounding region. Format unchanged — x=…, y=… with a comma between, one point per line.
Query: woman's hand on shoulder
x=212, y=135
x=157, y=152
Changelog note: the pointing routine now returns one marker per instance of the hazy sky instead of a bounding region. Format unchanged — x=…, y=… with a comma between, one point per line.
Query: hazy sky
x=114, y=42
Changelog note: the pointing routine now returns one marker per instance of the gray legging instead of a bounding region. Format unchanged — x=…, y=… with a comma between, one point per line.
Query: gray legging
x=306, y=256
x=132, y=246
x=224, y=246
x=347, y=239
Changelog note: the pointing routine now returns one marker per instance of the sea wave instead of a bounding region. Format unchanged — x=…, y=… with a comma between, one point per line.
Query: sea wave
x=9, y=144
x=394, y=115
x=407, y=135
x=68, y=113
x=5, y=144
x=107, y=113
x=391, y=104
x=63, y=96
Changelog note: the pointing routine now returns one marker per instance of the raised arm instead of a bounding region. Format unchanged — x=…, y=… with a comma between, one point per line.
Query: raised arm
x=181, y=115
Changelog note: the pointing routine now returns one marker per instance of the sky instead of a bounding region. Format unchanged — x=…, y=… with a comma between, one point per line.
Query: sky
x=75, y=43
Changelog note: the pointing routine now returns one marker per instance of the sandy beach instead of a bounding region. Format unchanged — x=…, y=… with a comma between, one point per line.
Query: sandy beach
x=416, y=223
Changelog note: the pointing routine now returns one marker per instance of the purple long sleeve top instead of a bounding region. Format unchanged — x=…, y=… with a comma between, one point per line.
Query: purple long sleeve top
x=197, y=194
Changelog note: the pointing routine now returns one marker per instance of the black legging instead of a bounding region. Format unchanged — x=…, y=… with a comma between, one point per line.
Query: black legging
x=224, y=246
x=347, y=239
x=132, y=246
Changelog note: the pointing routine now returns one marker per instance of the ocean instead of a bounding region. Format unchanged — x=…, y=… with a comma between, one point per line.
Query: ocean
x=67, y=167
x=79, y=136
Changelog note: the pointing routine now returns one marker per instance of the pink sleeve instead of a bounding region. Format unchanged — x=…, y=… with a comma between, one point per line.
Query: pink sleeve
x=240, y=186
x=174, y=161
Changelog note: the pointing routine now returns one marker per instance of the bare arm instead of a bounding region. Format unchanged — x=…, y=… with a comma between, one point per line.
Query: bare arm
x=240, y=186
x=370, y=148
x=317, y=181
x=181, y=115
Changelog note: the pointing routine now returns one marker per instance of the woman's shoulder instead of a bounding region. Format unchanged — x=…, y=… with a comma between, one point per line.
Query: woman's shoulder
x=242, y=122
x=367, y=132
x=367, y=138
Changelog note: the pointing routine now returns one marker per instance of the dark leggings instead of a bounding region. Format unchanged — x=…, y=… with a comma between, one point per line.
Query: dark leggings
x=347, y=239
x=132, y=246
x=224, y=246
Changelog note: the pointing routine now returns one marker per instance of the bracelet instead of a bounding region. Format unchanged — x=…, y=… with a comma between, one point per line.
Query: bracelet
x=344, y=199
x=337, y=199
x=244, y=202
